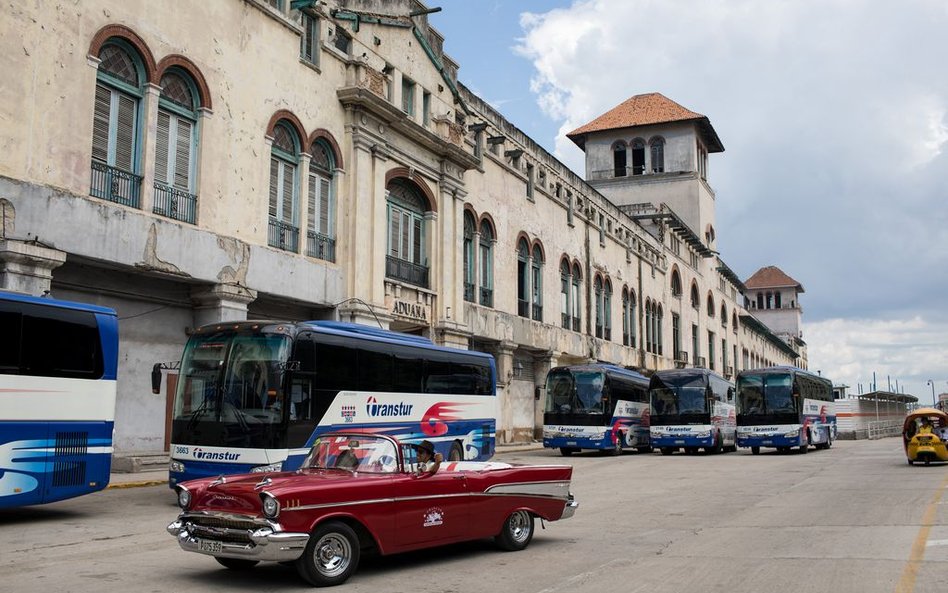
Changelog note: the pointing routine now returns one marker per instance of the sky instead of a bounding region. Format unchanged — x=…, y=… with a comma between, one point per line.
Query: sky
x=834, y=119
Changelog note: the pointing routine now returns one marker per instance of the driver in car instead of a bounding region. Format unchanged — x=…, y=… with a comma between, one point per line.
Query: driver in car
x=428, y=460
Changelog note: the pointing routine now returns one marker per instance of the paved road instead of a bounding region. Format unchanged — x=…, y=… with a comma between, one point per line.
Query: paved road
x=855, y=518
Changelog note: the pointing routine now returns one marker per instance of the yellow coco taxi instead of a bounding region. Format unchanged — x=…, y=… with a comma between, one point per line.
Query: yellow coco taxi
x=924, y=434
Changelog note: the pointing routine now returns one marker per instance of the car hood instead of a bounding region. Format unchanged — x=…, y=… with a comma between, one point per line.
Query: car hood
x=241, y=493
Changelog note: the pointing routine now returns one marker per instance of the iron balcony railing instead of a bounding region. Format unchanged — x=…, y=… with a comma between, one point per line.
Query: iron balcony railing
x=115, y=185
x=537, y=312
x=487, y=297
x=523, y=308
x=283, y=236
x=576, y=324
x=565, y=320
x=617, y=172
x=598, y=330
x=469, y=292
x=175, y=203
x=607, y=333
x=320, y=246
x=406, y=271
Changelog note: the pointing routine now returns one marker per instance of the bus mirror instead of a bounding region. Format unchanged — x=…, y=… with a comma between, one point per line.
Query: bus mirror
x=156, y=378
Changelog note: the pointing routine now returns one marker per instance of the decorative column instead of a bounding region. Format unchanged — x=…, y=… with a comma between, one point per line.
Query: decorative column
x=27, y=267
x=221, y=302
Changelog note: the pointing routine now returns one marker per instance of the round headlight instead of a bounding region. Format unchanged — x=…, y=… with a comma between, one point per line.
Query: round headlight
x=271, y=508
x=184, y=498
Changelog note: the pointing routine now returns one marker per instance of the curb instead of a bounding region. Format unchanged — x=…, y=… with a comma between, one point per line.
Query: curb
x=139, y=484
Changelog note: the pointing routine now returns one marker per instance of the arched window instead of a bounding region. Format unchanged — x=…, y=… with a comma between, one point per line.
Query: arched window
x=638, y=156
x=695, y=299
x=523, y=278
x=607, y=310
x=658, y=155
x=633, y=313
x=649, y=326
x=734, y=321
x=321, y=202
x=597, y=288
x=625, y=316
x=760, y=300
x=284, y=188
x=565, y=294
x=407, y=258
x=536, y=283
x=777, y=302
x=619, y=162
x=723, y=314
x=487, y=264
x=575, y=300
x=675, y=283
x=468, y=254
x=710, y=305
x=176, y=147
x=116, y=124
x=659, y=315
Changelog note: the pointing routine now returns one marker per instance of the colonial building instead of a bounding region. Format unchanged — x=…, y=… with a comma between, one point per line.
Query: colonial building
x=774, y=298
x=320, y=160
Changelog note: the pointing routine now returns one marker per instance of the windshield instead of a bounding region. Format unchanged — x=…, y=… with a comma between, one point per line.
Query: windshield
x=230, y=391
x=769, y=395
x=575, y=392
x=678, y=400
x=354, y=453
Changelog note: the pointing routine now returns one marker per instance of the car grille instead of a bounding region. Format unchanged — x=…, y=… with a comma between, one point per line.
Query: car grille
x=225, y=529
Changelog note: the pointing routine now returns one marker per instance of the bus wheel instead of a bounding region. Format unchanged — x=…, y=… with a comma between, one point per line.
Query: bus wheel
x=667, y=450
x=566, y=451
x=691, y=450
x=644, y=449
x=805, y=447
x=755, y=450
x=456, y=453
x=617, y=447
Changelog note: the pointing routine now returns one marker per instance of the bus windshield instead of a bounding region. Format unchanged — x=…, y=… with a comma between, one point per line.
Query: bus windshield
x=575, y=392
x=766, y=395
x=679, y=400
x=230, y=392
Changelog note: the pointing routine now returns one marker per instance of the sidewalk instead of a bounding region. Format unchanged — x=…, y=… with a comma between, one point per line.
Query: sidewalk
x=159, y=476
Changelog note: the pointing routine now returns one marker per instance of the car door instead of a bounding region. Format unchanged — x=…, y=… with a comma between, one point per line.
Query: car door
x=431, y=509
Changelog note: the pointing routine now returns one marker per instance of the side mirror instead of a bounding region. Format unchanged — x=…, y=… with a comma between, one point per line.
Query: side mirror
x=156, y=378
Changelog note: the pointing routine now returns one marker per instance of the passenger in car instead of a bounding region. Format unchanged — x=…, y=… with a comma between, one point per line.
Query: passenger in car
x=428, y=460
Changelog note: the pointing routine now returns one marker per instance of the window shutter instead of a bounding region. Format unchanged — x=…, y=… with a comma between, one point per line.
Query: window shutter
x=416, y=255
x=182, y=160
x=324, y=206
x=125, y=134
x=274, y=186
x=289, y=174
x=161, y=147
x=312, y=223
x=100, y=123
x=393, y=236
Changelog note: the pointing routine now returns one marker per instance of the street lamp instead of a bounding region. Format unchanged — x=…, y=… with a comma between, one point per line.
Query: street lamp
x=932, y=383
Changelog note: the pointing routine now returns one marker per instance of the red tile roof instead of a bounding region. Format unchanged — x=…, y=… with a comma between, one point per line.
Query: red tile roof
x=771, y=277
x=645, y=110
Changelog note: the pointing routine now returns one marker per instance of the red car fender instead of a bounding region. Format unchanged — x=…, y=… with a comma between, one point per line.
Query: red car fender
x=361, y=529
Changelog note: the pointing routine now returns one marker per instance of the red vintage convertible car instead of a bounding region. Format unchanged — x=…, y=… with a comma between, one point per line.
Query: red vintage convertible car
x=357, y=492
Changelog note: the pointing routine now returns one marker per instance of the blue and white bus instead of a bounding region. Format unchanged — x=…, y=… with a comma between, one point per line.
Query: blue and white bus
x=58, y=364
x=596, y=406
x=692, y=409
x=253, y=396
x=784, y=407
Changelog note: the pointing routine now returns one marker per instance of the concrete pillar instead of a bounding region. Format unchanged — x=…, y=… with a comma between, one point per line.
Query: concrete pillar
x=504, y=355
x=221, y=302
x=542, y=364
x=28, y=267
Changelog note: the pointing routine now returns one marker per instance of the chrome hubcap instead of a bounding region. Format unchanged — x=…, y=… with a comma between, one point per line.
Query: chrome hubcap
x=332, y=554
x=520, y=526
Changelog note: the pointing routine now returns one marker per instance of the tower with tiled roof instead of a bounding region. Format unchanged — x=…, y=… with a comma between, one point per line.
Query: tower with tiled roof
x=648, y=151
x=774, y=298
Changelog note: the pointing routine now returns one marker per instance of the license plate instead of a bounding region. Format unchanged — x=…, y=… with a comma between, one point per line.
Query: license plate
x=679, y=442
x=570, y=442
x=209, y=546
x=768, y=442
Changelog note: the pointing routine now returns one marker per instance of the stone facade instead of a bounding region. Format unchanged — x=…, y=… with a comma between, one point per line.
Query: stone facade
x=274, y=193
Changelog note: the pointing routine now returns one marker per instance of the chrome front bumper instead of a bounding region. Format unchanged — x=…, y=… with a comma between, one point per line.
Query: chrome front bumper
x=266, y=544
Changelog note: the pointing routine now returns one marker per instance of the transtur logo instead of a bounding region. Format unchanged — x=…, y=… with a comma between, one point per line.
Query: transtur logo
x=215, y=456
x=373, y=408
